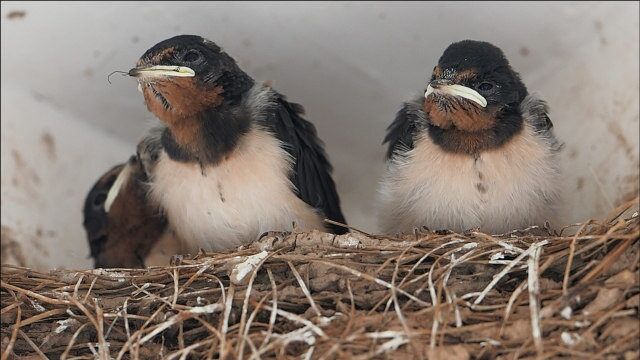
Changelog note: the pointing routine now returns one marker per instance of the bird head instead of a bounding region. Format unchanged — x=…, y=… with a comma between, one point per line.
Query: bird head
x=472, y=85
x=186, y=75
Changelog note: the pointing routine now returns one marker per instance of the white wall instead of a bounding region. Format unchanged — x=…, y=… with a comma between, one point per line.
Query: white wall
x=50, y=160
x=349, y=64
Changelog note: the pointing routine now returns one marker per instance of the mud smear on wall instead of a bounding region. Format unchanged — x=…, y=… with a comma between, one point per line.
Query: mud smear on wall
x=24, y=177
x=16, y=14
x=24, y=247
x=49, y=144
x=622, y=141
x=10, y=249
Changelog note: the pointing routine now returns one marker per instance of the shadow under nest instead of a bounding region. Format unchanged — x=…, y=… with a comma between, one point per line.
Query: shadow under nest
x=574, y=293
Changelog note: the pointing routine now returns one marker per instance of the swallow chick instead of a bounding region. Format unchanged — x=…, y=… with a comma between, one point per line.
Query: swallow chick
x=123, y=229
x=476, y=151
x=233, y=159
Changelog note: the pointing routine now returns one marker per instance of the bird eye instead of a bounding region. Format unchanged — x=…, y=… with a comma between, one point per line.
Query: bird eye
x=485, y=86
x=191, y=56
x=99, y=200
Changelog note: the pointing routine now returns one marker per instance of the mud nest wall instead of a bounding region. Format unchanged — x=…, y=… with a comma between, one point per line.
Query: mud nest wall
x=531, y=293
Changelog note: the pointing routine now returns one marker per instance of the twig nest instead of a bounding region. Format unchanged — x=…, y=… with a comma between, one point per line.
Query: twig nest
x=440, y=295
x=605, y=299
x=243, y=267
x=455, y=352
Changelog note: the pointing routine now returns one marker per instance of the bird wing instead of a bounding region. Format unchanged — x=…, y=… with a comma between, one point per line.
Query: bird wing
x=546, y=123
x=536, y=112
x=95, y=215
x=120, y=224
x=311, y=173
x=401, y=132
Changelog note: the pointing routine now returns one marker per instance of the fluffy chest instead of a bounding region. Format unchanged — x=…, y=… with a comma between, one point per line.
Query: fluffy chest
x=223, y=206
x=509, y=187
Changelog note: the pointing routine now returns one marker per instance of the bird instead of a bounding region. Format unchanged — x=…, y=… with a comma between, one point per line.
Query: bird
x=232, y=159
x=123, y=228
x=477, y=151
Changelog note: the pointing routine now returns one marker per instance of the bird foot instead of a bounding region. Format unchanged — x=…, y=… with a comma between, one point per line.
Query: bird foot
x=278, y=235
x=176, y=260
x=443, y=232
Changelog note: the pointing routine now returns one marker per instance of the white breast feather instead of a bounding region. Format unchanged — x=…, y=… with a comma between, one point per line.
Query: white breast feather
x=235, y=201
x=433, y=188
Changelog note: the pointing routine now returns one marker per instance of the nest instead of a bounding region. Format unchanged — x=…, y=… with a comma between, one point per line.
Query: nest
x=530, y=293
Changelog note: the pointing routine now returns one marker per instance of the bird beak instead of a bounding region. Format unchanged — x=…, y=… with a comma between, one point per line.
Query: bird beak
x=456, y=90
x=121, y=180
x=161, y=71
